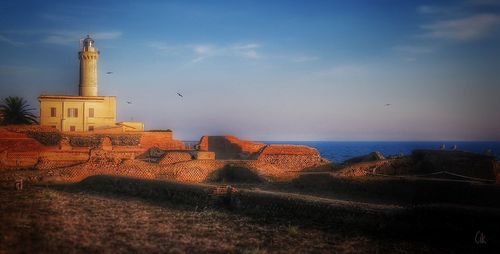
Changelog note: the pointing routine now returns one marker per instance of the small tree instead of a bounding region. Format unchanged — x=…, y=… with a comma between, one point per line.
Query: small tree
x=15, y=110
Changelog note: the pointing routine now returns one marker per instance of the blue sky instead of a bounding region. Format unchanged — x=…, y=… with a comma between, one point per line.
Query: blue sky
x=270, y=70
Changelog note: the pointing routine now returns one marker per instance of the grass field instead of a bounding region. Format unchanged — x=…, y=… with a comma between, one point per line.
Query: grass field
x=123, y=215
x=47, y=220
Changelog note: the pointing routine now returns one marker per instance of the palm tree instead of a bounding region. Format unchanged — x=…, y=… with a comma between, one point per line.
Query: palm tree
x=15, y=110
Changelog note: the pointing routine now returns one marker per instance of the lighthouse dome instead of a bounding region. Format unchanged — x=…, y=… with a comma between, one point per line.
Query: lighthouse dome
x=88, y=42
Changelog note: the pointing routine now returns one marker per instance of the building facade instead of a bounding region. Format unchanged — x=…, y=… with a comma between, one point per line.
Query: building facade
x=87, y=111
x=78, y=113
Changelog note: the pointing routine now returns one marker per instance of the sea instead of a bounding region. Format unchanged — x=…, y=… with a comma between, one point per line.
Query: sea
x=339, y=151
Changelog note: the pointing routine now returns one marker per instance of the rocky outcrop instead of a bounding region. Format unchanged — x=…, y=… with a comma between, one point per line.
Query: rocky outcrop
x=457, y=162
x=427, y=163
x=394, y=166
x=373, y=156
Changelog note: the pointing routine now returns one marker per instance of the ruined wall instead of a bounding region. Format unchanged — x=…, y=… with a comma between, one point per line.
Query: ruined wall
x=17, y=160
x=292, y=157
x=204, y=155
x=229, y=147
x=162, y=140
x=17, y=149
x=197, y=171
x=172, y=157
x=62, y=158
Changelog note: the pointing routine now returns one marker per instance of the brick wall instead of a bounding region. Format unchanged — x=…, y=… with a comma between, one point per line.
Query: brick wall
x=204, y=155
x=172, y=157
x=292, y=157
x=162, y=140
x=229, y=147
x=62, y=158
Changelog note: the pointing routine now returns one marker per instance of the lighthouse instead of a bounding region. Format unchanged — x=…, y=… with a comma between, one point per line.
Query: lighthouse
x=89, y=55
x=89, y=111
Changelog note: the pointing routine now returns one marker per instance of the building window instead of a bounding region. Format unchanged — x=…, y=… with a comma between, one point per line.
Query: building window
x=72, y=128
x=91, y=112
x=72, y=112
x=91, y=128
x=53, y=112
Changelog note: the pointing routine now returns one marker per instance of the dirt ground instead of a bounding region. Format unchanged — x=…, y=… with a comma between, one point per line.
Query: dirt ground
x=41, y=219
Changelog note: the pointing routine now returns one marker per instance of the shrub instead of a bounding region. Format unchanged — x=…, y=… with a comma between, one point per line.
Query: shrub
x=95, y=140
x=84, y=141
x=167, y=130
x=125, y=140
x=47, y=138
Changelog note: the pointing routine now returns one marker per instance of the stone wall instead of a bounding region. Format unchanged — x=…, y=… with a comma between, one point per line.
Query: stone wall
x=17, y=149
x=172, y=157
x=229, y=147
x=162, y=140
x=292, y=157
x=18, y=160
x=18, y=142
x=62, y=158
x=204, y=155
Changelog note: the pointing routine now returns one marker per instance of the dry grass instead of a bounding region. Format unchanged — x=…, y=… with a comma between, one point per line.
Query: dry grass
x=46, y=220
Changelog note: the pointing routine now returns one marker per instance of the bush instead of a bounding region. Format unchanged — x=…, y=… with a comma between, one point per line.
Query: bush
x=95, y=140
x=125, y=140
x=167, y=130
x=47, y=138
x=82, y=141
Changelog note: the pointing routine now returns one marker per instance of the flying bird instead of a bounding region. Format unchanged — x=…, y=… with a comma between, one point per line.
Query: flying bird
x=129, y=102
x=388, y=104
x=180, y=95
x=109, y=72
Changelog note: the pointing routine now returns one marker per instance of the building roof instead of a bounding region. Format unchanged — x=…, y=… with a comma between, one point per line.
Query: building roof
x=73, y=97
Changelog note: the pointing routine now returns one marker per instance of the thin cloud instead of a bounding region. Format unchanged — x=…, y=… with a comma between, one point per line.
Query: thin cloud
x=463, y=29
x=246, y=46
x=433, y=9
x=484, y=2
x=248, y=51
x=302, y=59
x=15, y=70
x=106, y=35
x=162, y=47
x=250, y=54
x=198, y=59
x=409, y=53
x=409, y=49
x=69, y=37
x=343, y=71
x=10, y=41
x=53, y=17
x=204, y=49
x=201, y=52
